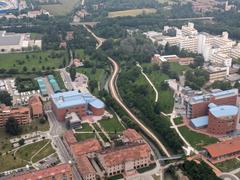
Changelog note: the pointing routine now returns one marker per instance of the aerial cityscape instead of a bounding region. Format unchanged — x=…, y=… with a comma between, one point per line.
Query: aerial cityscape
x=119, y=89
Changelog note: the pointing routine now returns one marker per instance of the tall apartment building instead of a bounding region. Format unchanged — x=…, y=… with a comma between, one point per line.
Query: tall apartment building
x=189, y=30
x=221, y=59
x=189, y=43
x=21, y=114
x=198, y=105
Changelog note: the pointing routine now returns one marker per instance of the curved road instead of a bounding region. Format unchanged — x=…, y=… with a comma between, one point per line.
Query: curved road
x=113, y=91
x=115, y=95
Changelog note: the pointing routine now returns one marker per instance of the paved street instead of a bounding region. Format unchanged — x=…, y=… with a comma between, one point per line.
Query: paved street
x=55, y=132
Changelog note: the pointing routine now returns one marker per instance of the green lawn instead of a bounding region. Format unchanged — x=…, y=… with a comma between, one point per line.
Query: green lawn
x=228, y=165
x=148, y=168
x=178, y=120
x=175, y=67
x=5, y=144
x=36, y=36
x=33, y=61
x=97, y=127
x=197, y=140
x=8, y=162
x=79, y=53
x=165, y=96
x=84, y=136
x=48, y=150
x=111, y=125
x=63, y=8
x=26, y=152
x=85, y=128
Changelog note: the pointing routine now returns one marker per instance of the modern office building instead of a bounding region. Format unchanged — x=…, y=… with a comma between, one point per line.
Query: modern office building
x=21, y=114
x=58, y=172
x=197, y=106
x=73, y=101
x=222, y=119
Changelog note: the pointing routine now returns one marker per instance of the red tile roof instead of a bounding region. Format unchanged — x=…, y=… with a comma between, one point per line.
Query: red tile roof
x=132, y=135
x=84, y=166
x=69, y=137
x=85, y=147
x=44, y=173
x=119, y=156
x=224, y=147
x=36, y=105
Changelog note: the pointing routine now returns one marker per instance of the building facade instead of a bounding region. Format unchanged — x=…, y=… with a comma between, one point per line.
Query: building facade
x=21, y=114
x=58, y=172
x=36, y=107
x=72, y=101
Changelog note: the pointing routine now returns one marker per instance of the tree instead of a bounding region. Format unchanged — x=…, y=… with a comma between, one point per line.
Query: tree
x=12, y=126
x=73, y=73
x=5, y=98
x=21, y=142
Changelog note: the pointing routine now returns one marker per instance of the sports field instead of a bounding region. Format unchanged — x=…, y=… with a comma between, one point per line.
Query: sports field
x=63, y=8
x=131, y=12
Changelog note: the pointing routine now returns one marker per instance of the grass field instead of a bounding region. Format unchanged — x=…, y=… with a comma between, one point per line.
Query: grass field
x=65, y=7
x=84, y=136
x=34, y=61
x=197, y=140
x=228, y=165
x=131, y=12
x=26, y=152
x=110, y=125
x=9, y=162
x=5, y=144
x=175, y=67
x=178, y=120
x=85, y=128
x=44, y=153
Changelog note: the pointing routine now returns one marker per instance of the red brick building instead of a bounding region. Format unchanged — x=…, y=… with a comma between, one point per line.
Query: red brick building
x=21, y=114
x=72, y=101
x=198, y=105
x=36, y=106
x=224, y=150
x=222, y=119
x=58, y=172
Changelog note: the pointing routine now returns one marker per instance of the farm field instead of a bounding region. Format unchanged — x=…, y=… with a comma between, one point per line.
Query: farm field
x=131, y=12
x=65, y=7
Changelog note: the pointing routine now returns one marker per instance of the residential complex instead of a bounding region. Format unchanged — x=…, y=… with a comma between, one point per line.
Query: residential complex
x=36, y=106
x=11, y=42
x=21, y=114
x=73, y=101
x=58, y=172
x=218, y=50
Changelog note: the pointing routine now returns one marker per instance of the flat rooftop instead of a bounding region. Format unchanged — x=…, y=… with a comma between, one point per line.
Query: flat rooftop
x=200, y=121
x=75, y=98
x=217, y=95
x=9, y=39
x=224, y=111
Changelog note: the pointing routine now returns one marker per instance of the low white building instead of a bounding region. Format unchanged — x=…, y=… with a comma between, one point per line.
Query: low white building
x=11, y=42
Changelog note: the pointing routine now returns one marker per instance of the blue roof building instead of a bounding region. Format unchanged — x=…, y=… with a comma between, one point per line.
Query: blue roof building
x=200, y=122
x=224, y=111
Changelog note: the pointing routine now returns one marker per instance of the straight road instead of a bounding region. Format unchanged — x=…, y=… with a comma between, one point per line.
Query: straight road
x=113, y=91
